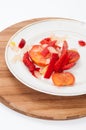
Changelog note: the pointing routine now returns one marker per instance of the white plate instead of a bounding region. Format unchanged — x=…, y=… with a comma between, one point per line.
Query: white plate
x=74, y=30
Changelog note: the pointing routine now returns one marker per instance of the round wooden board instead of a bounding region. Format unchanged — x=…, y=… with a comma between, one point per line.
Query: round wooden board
x=27, y=101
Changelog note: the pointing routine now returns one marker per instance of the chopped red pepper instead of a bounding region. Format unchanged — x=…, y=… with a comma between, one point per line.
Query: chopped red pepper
x=66, y=60
x=82, y=43
x=30, y=65
x=63, y=59
x=58, y=64
x=22, y=43
x=56, y=58
x=45, y=50
x=26, y=55
x=45, y=40
x=50, y=68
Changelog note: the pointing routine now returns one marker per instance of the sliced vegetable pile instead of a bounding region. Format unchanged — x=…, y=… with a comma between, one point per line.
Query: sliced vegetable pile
x=51, y=59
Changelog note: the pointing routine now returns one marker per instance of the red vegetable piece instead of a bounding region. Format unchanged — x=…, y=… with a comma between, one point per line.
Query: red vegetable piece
x=82, y=43
x=22, y=43
x=66, y=61
x=45, y=51
x=73, y=56
x=65, y=46
x=45, y=40
x=68, y=66
x=36, y=56
x=63, y=79
x=50, y=67
x=58, y=64
x=26, y=55
x=30, y=65
x=63, y=60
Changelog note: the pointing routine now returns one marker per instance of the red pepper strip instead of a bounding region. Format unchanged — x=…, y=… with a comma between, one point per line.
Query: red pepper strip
x=50, y=68
x=45, y=50
x=65, y=46
x=58, y=64
x=66, y=60
x=63, y=60
x=37, y=68
x=68, y=66
x=45, y=40
x=22, y=43
x=30, y=65
x=26, y=55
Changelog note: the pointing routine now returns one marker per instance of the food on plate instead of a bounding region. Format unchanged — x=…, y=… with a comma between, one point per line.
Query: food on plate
x=29, y=63
x=82, y=43
x=50, y=59
x=36, y=56
x=50, y=67
x=63, y=79
x=21, y=43
x=73, y=56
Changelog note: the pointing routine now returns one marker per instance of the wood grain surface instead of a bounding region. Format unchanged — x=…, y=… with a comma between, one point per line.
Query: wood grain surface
x=27, y=101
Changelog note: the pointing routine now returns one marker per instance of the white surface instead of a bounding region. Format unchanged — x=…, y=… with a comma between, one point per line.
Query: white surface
x=32, y=34
x=18, y=10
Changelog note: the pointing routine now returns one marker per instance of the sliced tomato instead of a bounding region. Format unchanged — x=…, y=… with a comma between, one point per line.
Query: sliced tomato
x=63, y=79
x=68, y=66
x=36, y=56
x=73, y=56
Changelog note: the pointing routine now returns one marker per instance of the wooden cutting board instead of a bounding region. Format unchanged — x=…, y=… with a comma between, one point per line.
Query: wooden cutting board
x=27, y=101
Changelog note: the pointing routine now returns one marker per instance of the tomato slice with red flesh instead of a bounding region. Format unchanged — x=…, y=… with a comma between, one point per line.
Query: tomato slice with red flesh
x=36, y=56
x=68, y=66
x=73, y=56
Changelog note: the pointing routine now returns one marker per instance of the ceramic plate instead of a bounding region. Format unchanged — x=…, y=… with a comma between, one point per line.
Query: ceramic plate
x=33, y=33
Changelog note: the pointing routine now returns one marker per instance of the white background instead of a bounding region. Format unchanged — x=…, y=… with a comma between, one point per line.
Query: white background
x=13, y=11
